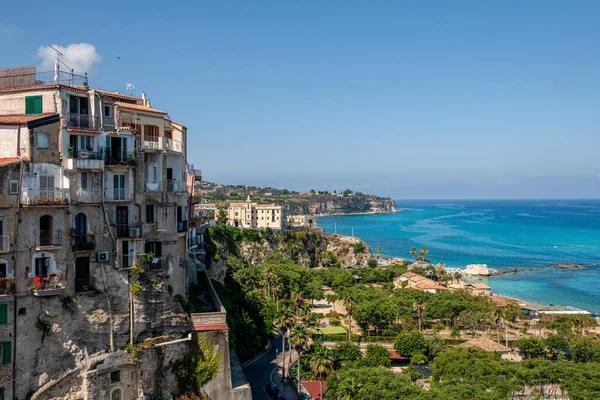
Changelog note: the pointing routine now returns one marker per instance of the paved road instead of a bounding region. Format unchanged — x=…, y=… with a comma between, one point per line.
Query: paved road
x=259, y=371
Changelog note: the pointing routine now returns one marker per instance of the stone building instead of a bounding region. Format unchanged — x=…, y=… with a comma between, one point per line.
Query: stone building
x=253, y=215
x=89, y=182
x=302, y=222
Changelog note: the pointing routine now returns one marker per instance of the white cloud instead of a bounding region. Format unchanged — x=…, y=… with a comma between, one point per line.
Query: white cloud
x=82, y=57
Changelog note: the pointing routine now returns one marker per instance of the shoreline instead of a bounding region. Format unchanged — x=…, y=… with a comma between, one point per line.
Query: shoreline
x=359, y=213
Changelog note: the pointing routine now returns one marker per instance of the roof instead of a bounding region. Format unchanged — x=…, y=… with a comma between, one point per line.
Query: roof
x=138, y=107
x=313, y=388
x=480, y=286
x=11, y=160
x=409, y=275
x=485, y=344
x=210, y=327
x=534, y=306
x=395, y=356
x=425, y=285
x=83, y=130
x=117, y=95
x=21, y=119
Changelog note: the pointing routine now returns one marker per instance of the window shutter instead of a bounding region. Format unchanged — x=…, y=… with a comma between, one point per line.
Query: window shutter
x=3, y=314
x=37, y=105
x=28, y=105
x=6, y=353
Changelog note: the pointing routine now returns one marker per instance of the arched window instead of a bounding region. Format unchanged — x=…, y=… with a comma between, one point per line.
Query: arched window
x=116, y=395
x=45, y=238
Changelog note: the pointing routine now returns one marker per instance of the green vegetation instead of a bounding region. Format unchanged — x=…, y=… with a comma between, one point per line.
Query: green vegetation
x=410, y=344
x=199, y=366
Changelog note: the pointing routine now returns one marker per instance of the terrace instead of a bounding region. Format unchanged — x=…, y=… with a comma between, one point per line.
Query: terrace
x=45, y=197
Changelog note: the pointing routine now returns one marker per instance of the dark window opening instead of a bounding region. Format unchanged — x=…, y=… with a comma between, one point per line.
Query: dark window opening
x=115, y=376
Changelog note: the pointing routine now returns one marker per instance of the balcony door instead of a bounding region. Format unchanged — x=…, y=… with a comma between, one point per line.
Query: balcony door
x=80, y=230
x=122, y=221
x=119, y=187
x=79, y=112
x=46, y=231
x=82, y=274
x=41, y=266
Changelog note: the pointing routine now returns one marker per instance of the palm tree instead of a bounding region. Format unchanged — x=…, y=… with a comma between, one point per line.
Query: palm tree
x=299, y=341
x=420, y=310
x=277, y=291
x=321, y=366
x=498, y=318
x=413, y=253
x=379, y=251
x=422, y=253
x=331, y=299
x=349, y=389
x=349, y=304
x=269, y=276
x=297, y=300
x=283, y=322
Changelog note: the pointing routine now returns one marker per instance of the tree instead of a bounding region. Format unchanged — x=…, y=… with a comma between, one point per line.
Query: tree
x=409, y=344
x=270, y=275
x=531, y=347
x=349, y=301
x=277, y=292
x=283, y=322
x=345, y=352
x=299, y=341
x=200, y=365
x=378, y=355
x=413, y=253
x=314, y=290
x=420, y=310
x=321, y=366
x=222, y=216
x=422, y=253
x=298, y=301
x=498, y=318
x=331, y=299
x=435, y=344
x=372, y=263
x=379, y=251
x=347, y=192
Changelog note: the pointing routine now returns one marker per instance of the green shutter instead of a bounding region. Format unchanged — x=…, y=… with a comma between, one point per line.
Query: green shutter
x=33, y=105
x=6, y=352
x=3, y=314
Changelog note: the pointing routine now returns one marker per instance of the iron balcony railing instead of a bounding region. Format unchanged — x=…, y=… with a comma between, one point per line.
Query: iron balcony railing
x=119, y=157
x=182, y=226
x=7, y=286
x=117, y=194
x=83, y=242
x=50, y=238
x=129, y=230
x=174, y=186
x=78, y=120
x=158, y=263
x=85, y=154
x=40, y=197
x=153, y=144
x=4, y=243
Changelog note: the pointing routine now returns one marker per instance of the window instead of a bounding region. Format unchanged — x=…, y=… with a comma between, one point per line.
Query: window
x=22, y=312
x=41, y=266
x=33, y=105
x=107, y=111
x=1, y=393
x=149, y=214
x=84, y=181
x=151, y=133
x=3, y=269
x=47, y=187
x=3, y=314
x=115, y=377
x=154, y=248
x=5, y=352
x=14, y=187
x=119, y=187
x=85, y=143
x=79, y=111
x=116, y=394
x=42, y=141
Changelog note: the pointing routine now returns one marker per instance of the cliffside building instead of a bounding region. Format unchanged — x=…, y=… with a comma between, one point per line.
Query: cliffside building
x=89, y=182
x=302, y=222
x=253, y=215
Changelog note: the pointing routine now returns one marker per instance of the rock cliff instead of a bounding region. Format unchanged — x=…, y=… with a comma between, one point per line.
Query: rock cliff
x=332, y=204
x=309, y=249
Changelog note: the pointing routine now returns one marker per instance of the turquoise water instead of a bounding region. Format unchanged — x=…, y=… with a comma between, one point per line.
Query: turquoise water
x=501, y=234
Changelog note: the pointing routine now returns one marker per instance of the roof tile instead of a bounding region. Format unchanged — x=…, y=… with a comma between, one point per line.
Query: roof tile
x=138, y=107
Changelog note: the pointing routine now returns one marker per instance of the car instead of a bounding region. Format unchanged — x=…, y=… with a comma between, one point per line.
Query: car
x=271, y=388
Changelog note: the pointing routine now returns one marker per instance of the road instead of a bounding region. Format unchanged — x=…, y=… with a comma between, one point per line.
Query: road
x=259, y=371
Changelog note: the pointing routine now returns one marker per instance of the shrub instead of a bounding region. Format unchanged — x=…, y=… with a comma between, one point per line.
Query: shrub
x=409, y=344
x=136, y=289
x=372, y=263
x=418, y=359
x=359, y=248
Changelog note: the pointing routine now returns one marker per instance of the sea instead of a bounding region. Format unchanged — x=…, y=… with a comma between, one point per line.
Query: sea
x=499, y=233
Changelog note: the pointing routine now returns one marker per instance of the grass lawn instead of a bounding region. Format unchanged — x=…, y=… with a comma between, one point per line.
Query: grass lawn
x=333, y=330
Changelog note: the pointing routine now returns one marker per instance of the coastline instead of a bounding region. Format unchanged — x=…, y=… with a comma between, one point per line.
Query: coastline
x=358, y=213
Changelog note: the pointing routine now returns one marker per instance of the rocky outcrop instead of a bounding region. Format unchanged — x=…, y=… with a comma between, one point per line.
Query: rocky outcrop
x=332, y=205
x=477, y=269
x=309, y=249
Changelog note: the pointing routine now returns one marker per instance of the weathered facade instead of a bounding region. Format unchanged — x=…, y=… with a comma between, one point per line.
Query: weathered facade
x=252, y=215
x=91, y=184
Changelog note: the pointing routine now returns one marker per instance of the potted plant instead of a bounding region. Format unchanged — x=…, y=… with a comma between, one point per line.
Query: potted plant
x=37, y=283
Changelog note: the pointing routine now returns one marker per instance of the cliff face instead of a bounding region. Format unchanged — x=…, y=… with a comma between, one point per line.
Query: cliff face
x=331, y=205
x=309, y=249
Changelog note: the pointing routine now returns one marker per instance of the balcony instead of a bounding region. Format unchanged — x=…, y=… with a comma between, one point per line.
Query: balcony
x=49, y=285
x=119, y=194
x=87, y=196
x=45, y=197
x=175, y=186
x=80, y=159
x=154, y=144
x=182, y=226
x=8, y=286
x=80, y=242
x=198, y=175
x=120, y=157
x=153, y=186
x=133, y=231
x=158, y=264
x=78, y=121
x=49, y=239
x=172, y=145
x=4, y=243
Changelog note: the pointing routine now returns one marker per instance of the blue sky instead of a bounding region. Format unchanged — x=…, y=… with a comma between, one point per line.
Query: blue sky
x=429, y=99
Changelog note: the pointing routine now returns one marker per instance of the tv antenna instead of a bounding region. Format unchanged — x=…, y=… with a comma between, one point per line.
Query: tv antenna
x=130, y=87
x=57, y=62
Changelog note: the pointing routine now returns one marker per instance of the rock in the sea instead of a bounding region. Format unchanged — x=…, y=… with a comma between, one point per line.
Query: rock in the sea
x=477, y=269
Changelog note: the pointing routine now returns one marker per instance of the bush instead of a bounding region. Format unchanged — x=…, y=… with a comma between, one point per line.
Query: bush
x=379, y=355
x=334, y=321
x=359, y=248
x=418, y=359
x=409, y=344
x=372, y=263
x=136, y=289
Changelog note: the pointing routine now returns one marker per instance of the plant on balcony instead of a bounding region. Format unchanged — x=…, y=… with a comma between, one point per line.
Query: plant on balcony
x=71, y=152
x=147, y=258
x=38, y=283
